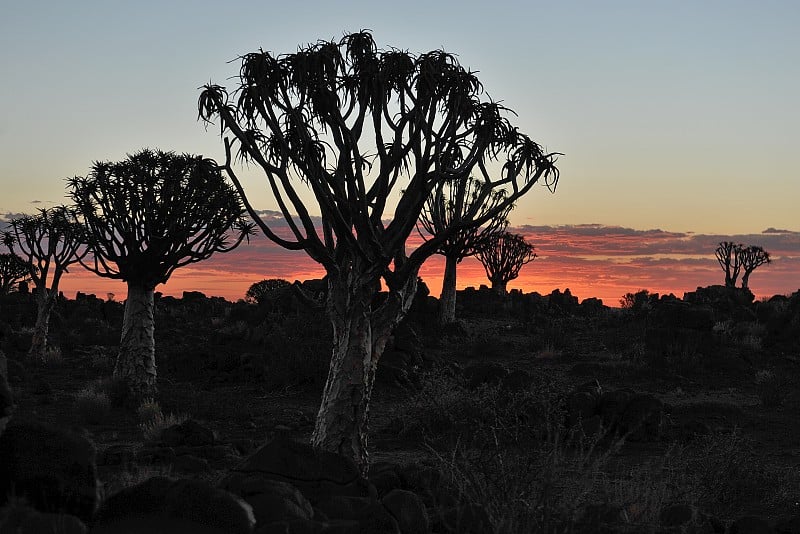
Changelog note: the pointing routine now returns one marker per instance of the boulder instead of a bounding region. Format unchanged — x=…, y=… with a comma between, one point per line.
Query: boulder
x=274, y=500
x=52, y=468
x=161, y=505
x=371, y=516
x=385, y=477
x=18, y=519
x=190, y=433
x=408, y=510
x=317, y=474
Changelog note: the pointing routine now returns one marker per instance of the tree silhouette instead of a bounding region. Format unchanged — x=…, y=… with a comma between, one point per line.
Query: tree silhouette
x=727, y=253
x=13, y=270
x=145, y=217
x=258, y=291
x=751, y=258
x=450, y=203
x=503, y=257
x=349, y=122
x=49, y=242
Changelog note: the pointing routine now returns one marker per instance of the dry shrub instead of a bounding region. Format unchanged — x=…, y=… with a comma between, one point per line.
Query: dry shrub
x=154, y=421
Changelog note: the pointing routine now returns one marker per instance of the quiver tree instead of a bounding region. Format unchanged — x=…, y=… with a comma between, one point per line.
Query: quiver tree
x=729, y=259
x=502, y=258
x=145, y=217
x=364, y=131
x=751, y=258
x=259, y=291
x=451, y=202
x=13, y=270
x=48, y=242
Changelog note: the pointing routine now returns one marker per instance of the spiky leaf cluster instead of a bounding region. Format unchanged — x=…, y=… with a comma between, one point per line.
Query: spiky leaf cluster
x=504, y=255
x=154, y=212
x=351, y=122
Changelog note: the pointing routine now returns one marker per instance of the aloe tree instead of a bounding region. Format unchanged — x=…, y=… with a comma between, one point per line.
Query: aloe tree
x=48, y=242
x=450, y=203
x=362, y=137
x=13, y=270
x=728, y=256
x=145, y=217
x=751, y=258
x=502, y=258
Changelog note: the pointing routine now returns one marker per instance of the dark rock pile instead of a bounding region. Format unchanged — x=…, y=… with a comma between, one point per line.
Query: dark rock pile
x=623, y=412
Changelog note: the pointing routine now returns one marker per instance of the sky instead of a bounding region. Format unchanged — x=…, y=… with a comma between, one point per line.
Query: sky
x=678, y=120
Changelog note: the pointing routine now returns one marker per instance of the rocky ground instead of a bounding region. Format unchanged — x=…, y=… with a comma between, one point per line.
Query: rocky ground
x=531, y=414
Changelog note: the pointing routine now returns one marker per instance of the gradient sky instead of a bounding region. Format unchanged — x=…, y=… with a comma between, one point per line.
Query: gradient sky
x=678, y=116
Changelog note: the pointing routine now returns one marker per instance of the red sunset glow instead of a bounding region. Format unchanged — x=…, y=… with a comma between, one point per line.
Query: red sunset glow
x=591, y=260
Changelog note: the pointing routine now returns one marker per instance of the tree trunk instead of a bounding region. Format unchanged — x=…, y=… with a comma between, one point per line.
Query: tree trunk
x=45, y=300
x=746, y=279
x=499, y=286
x=447, y=301
x=359, y=337
x=136, y=362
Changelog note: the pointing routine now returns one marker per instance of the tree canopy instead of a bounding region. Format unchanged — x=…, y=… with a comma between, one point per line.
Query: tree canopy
x=13, y=270
x=351, y=123
x=154, y=212
x=503, y=257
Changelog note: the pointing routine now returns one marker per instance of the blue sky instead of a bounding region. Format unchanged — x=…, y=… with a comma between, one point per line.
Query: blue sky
x=679, y=115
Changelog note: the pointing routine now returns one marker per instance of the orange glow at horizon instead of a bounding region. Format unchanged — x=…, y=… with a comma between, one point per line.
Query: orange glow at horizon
x=590, y=260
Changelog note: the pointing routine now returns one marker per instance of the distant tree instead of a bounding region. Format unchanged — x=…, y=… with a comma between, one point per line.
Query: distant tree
x=503, y=257
x=448, y=205
x=259, y=290
x=751, y=258
x=735, y=258
x=49, y=242
x=13, y=270
x=349, y=122
x=727, y=253
x=145, y=217
x=636, y=301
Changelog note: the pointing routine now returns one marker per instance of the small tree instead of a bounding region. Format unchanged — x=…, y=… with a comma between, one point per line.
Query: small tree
x=49, y=243
x=735, y=258
x=727, y=253
x=258, y=291
x=145, y=217
x=13, y=270
x=751, y=258
x=503, y=257
x=450, y=203
x=349, y=122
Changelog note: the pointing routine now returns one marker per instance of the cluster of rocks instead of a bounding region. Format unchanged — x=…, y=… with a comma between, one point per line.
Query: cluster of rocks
x=49, y=483
x=188, y=448
x=622, y=412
